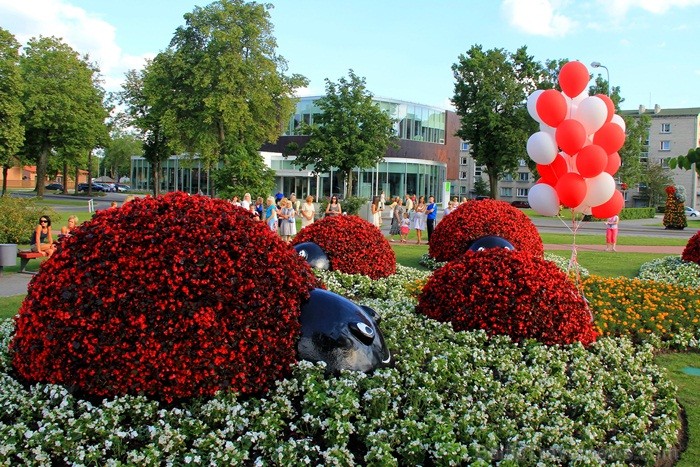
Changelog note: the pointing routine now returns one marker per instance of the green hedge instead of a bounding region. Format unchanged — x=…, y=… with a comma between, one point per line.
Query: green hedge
x=19, y=217
x=629, y=213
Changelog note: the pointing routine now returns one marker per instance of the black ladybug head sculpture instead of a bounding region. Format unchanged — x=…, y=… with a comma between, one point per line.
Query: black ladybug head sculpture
x=341, y=333
x=490, y=241
x=314, y=255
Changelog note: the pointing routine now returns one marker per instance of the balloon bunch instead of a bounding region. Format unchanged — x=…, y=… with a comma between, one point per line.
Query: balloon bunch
x=576, y=147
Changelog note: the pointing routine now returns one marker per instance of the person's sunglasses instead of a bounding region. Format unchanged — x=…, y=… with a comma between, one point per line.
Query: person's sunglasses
x=43, y=221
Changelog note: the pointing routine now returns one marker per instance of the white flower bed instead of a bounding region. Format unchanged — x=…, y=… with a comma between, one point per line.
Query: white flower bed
x=671, y=270
x=452, y=398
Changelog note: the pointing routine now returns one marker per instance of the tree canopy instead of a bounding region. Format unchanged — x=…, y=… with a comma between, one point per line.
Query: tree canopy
x=63, y=101
x=350, y=132
x=491, y=88
x=11, y=109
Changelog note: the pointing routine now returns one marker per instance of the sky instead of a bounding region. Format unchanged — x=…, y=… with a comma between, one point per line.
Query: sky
x=405, y=49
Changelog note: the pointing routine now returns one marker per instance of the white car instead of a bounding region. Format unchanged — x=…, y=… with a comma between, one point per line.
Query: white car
x=690, y=212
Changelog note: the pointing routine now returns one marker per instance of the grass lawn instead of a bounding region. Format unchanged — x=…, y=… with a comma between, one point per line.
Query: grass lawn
x=589, y=239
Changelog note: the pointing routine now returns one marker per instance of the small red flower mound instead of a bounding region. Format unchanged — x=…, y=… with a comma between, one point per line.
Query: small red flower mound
x=170, y=297
x=475, y=219
x=511, y=293
x=353, y=245
x=691, y=252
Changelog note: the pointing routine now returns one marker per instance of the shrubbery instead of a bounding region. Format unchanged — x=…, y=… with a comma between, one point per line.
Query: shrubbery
x=506, y=292
x=19, y=217
x=171, y=297
x=474, y=219
x=691, y=252
x=353, y=245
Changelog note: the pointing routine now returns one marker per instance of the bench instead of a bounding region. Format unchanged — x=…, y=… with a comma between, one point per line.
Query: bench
x=24, y=257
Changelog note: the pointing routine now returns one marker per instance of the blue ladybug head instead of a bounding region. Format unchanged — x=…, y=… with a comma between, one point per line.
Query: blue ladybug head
x=490, y=241
x=314, y=255
x=341, y=333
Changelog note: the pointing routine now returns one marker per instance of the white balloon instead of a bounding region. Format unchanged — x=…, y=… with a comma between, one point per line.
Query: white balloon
x=548, y=129
x=542, y=148
x=599, y=189
x=532, y=104
x=543, y=198
x=592, y=113
x=619, y=121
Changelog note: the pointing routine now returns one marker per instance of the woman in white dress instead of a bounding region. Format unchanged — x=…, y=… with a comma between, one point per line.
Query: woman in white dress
x=376, y=213
x=419, y=218
x=308, y=212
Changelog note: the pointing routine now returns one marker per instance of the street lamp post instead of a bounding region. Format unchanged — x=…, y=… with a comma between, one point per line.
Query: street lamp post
x=607, y=72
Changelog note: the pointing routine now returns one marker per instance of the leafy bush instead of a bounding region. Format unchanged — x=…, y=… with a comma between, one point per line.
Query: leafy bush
x=512, y=293
x=674, y=216
x=171, y=297
x=671, y=270
x=691, y=252
x=19, y=217
x=645, y=311
x=358, y=286
x=353, y=245
x=629, y=213
x=474, y=219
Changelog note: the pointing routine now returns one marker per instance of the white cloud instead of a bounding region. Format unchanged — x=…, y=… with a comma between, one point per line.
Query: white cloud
x=619, y=8
x=85, y=33
x=537, y=17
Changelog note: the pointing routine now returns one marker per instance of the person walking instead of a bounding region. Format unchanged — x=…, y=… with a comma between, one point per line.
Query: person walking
x=396, y=219
x=611, y=225
x=431, y=211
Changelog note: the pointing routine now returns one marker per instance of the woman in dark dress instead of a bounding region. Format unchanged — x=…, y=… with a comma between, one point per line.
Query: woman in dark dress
x=396, y=218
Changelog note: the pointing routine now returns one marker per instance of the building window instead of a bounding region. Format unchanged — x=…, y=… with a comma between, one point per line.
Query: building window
x=507, y=178
x=477, y=172
x=664, y=163
x=464, y=146
x=463, y=189
x=506, y=192
x=463, y=161
x=463, y=175
x=665, y=128
x=523, y=177
x=521, y=192
x=666, y=145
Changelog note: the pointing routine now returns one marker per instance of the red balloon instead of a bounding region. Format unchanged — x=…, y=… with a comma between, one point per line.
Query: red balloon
x=571, y=189
x=609, y=104
x=570, y=136
x=611, y=207
x=573, y=78
x=551, y=107
x=614, y=163
x=551, y=173
x=591, y=161
x=610, y=137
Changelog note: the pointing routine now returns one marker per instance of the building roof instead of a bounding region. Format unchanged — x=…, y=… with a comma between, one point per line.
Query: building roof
x=688, y=111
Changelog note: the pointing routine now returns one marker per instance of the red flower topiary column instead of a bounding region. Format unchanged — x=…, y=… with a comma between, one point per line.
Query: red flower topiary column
x=691, y=252
x=475, y=219
x=353, y=245
x=508, y=292
x=171, y=297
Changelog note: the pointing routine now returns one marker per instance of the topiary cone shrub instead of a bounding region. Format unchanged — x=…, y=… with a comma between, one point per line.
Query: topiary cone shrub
x=674, y=214
x=170, y=297
x=691, y=252
x=353, y=245
x=475, y=219
x=506, y=292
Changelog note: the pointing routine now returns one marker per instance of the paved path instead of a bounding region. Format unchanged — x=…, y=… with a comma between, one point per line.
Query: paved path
x=14, y=284
x=667, y=250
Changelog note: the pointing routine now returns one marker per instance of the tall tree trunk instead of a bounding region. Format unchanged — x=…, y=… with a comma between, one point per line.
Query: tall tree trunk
x=156, y=178
x=5, y=168
x=89, y=176
x=41, y=169
x=348, y=184
x=65, y=177
x=493, y=184
x=77, y=178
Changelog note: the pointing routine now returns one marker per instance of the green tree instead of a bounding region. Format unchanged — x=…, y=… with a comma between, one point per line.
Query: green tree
x=227, y=92
x=63, y=101
x=117, y=158
x=481, y=188
x=491, y=88
x=242, y=174
x=687, y=162
x=11, y=109
x=656, y=179
x=350, y=132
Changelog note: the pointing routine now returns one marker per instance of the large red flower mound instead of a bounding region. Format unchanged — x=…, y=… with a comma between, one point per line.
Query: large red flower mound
x=691, y=252
x=170, y=297
x=353, y=245
x=475, y=219
x=511, y=293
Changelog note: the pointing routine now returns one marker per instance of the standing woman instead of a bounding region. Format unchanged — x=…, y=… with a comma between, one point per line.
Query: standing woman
x=42, y=241
x=396, y=218
x=611, y=233
x=376, y=212
x=308, y=212
x=419, y=218
x=271, y=214
x=288, y=226
x=333, y=208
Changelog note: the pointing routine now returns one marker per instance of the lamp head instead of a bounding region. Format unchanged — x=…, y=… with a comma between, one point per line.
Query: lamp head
x=595, y=64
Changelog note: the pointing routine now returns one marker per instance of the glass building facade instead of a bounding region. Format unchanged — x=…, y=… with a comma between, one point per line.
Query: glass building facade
x=178, y=173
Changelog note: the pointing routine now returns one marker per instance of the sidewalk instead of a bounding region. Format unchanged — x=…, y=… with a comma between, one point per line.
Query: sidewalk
x=667, y=250
x=14, y=284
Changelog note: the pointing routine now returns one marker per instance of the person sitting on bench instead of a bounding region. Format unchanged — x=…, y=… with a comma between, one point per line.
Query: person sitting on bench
x=42, y=241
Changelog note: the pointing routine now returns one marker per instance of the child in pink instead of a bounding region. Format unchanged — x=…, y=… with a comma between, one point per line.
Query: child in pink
x=405, y=227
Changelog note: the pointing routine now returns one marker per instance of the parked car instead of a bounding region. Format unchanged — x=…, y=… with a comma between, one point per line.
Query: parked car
x=54, y=186
x=520, y=204
x=690, y=212
x=121, y=187
x=95, y=187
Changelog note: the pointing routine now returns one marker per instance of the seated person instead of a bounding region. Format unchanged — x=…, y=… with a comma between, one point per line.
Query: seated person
x=67, y=229
x=41, y=241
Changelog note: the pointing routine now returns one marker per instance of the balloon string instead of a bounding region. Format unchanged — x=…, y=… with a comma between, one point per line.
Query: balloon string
x=573, y=260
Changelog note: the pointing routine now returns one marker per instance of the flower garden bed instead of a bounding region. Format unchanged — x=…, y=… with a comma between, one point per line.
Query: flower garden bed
x=452, y=397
